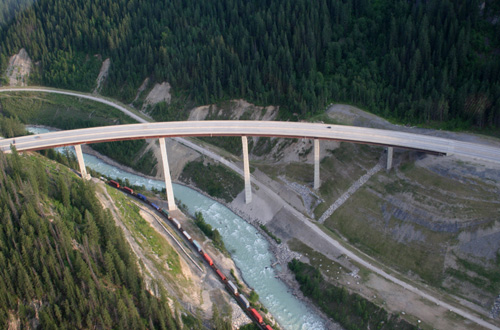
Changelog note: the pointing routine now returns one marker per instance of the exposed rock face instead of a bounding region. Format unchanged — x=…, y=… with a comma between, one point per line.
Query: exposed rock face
x=159, y=93
x=103, y=74
x=19, y=69
x=234, y=110
x=414, y=213
x=495, y=310
x=483, y=243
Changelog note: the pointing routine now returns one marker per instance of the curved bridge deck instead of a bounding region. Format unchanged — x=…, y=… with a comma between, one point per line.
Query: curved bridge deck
x=253, y=128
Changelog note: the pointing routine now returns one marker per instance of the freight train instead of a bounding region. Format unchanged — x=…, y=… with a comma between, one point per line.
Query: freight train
x=230, y=286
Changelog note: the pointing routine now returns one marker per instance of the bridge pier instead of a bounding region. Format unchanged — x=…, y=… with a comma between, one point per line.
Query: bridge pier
x=81, y=162
x=246, y=170
x=390, y=151
x=168, y=179
x=317, y=183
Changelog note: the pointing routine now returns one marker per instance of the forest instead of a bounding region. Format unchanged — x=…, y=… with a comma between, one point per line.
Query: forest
x=221, y=183
x=432, y=62
x=64, y=264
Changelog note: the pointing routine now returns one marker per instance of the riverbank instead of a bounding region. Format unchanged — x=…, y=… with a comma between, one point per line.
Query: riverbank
x=281, y=252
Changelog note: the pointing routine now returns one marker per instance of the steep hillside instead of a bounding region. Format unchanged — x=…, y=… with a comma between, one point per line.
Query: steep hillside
x=432, y=218
x=64, y=263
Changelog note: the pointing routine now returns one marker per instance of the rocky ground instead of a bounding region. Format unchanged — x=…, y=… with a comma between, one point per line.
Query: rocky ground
x=495, y=310
x=159, y=93
x=103, y=74
x=310, y=198
x=19, y=69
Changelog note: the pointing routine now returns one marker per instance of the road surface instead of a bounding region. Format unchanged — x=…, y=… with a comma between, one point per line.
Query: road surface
x=253, y=128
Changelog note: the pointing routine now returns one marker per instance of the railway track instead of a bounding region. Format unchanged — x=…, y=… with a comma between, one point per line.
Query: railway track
x=179, y=244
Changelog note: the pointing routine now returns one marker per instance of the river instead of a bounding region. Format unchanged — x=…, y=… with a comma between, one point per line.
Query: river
x=249, y=250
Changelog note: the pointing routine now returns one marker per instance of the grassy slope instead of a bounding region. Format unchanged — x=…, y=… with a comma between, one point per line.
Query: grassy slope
x=406, y=219
x=157, y=249
x=61, y=111
x=346, y=164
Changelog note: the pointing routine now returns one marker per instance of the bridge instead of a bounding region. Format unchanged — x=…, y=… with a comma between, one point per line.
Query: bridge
x=243, y=129
x=387, y=138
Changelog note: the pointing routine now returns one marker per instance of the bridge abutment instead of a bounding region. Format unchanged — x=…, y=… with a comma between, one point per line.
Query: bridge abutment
x=246, y=170
x=166, y=173
x=81, y=162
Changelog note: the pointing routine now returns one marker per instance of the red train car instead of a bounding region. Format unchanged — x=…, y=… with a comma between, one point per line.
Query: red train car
x=113, y=183
x=222, y=276
x=128, y=190
x=268, y=327
x=208, y=259
x=256, y=315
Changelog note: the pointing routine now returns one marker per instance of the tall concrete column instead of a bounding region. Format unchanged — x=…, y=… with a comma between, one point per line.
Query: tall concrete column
x=81, y=162
x=317, y=183
x=246, y=170
x=390, y=151
x=166, y=173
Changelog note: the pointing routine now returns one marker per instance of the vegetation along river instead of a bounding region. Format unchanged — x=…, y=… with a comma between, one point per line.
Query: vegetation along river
x=248, y=248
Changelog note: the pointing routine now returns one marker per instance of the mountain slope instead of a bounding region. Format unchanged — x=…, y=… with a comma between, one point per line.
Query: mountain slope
x=63, y=261
x=415, y=61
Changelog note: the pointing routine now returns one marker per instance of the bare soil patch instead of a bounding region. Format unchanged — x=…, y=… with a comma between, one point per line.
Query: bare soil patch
x=19, y=69
x=159, y=93
x=103, y=74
